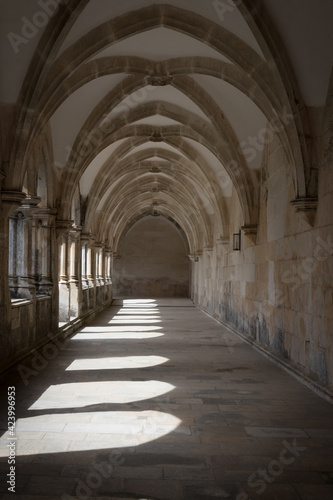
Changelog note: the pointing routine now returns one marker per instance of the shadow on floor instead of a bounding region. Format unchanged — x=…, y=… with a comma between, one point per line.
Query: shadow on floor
x=153, y=400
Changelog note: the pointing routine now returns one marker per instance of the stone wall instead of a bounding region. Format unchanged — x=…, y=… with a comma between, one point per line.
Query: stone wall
x=31, y=323
x=152, y=261
x=278, y=292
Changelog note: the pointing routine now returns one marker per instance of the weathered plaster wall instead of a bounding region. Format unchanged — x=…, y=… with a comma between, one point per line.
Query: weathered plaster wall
x=152, y=261
x=279, y=292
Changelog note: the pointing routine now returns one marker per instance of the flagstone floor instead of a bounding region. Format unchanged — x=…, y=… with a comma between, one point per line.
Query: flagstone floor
x=155, y=400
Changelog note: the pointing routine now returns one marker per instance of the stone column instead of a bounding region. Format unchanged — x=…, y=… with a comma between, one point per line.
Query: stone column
x=37, y=250
x=84, y=303
x=108, y=265
x=99, y=247
x=12, y=262
x=108, y=273
x=64, y=294
x=25, y=251
x=84, y=260
x=89, y=266
x=45, y=254
x=100, y=266
x=74, y=266
x=88, y=279
x=100, y=284
x=92, y=273
x=9, y=201
x=63, y=228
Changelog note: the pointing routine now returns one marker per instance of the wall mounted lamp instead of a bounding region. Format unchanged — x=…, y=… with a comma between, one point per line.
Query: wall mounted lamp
x=236, y=241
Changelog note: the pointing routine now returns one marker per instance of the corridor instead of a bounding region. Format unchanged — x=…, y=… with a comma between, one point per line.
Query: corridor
x=155, y=400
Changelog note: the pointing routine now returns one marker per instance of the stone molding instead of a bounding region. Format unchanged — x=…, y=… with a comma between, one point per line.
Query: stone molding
x=15, y=197
x=307, y=208
x=63, y=227
x=224, y=241
x=250, y=232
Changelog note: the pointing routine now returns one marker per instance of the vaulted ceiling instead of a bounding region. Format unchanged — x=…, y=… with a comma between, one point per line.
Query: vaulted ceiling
x=143, y=107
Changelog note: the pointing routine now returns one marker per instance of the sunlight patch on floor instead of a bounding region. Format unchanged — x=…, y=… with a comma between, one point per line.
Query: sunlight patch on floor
x=59, y=433
x=117, y=329
x=123, y=362
x=135, y=320
x=123, y=334
x=129, y=302
x=142, y=311
x=81, y=394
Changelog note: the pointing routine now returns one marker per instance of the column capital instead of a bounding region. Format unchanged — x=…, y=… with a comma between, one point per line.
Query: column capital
x=11, y=200
x=31, y=201
x=29, y=206
x=46, y=212
x=87, y=238
x=209, y=251
x=99, y=244
x=63, y=227
x=250, y=231
x=224, y=242
x=307, y=208
x=195, y=256
x=47, y=215
x=75, y=231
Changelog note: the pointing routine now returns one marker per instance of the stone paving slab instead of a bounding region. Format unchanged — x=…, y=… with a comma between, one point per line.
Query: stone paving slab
x=187, y=412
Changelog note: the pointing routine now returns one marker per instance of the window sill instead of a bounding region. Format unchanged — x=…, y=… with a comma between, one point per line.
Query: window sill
x=20, y=302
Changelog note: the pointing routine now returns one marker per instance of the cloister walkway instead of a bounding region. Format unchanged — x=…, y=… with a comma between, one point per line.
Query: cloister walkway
x=155, y=400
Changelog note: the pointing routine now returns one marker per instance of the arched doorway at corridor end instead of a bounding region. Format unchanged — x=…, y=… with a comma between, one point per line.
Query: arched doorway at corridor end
x=152, y=260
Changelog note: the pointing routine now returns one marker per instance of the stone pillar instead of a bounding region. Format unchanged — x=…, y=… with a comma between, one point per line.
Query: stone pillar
x=9, y=202
x=99, y=250
x=25, y=251
x=63, y=228
x=108, y=273
x=100, y=282
x=92, y=273
x=101, y=265
x=90, y=277
x=64, y=294
x=74, y=266
x=12, y=263
x=84, y=260
x=37, y=250
x=45, y=254
x=108, y=265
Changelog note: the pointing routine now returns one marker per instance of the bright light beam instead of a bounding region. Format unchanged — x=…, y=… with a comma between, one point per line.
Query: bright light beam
x=123, y=335
x=97, y=430
x=80, y=394
x=124, y=362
